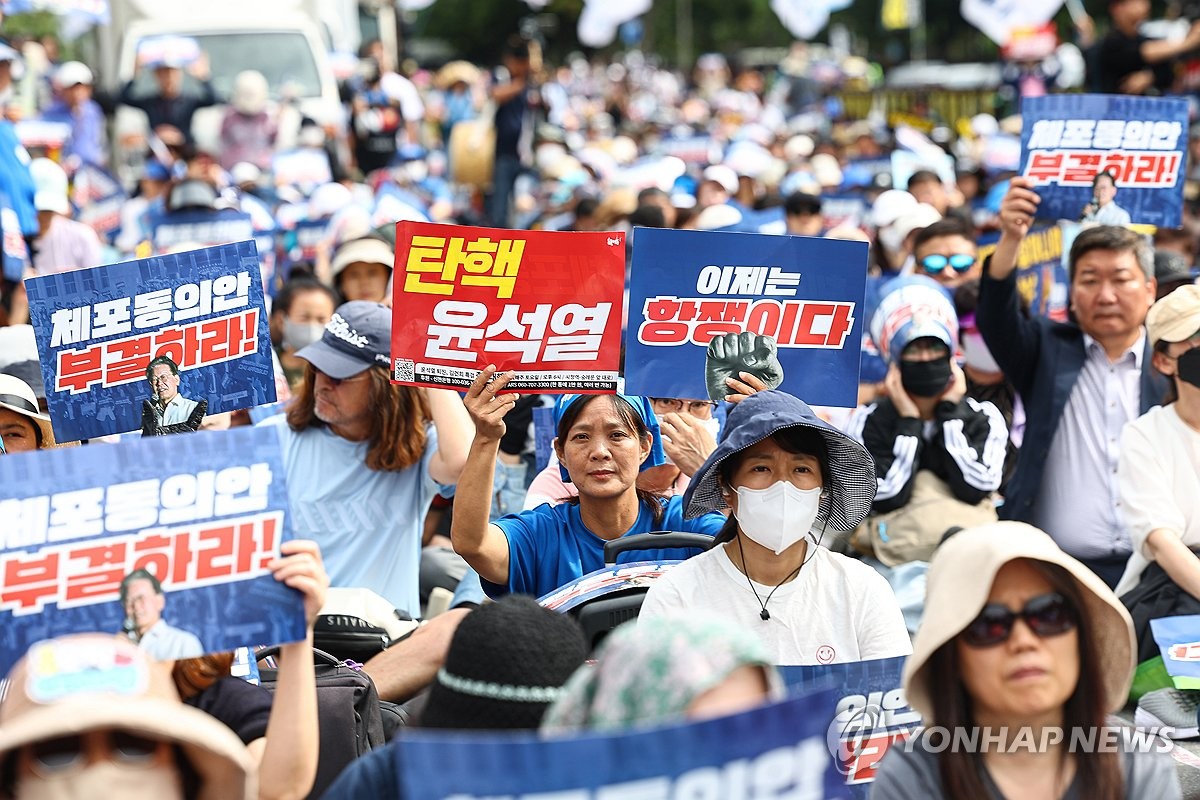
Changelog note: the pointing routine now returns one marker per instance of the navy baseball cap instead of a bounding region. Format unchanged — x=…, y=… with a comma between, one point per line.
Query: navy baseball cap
x=358, y=336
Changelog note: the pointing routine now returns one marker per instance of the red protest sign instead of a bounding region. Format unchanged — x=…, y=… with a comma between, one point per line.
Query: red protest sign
x=545, y=305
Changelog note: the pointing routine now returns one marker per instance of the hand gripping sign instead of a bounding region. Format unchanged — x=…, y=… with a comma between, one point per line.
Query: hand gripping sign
x=545, y=305
x=704, y=306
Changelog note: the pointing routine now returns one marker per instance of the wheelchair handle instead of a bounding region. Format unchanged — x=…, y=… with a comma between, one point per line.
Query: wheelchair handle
x=655, y=540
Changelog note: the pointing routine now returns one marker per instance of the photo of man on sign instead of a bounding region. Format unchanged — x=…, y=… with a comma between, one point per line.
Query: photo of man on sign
x=143, y=600
x=167, y=411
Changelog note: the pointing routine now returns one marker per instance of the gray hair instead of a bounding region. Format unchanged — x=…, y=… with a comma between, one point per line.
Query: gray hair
x=170, y=362
x=1113, y=237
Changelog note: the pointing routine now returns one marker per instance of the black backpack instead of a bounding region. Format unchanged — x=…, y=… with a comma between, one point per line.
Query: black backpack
x=348, y=712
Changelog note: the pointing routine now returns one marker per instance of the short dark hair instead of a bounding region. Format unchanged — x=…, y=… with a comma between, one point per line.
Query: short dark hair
x=517, y=47
x=651, y=191
x=1104, y=173
x=1112, y=237
x=170, y=362
x=802, y=203
x=648, y=216
x=140, y=575
x=586, y=207
x=946, y=226
x=922, y=176
x=298, y=286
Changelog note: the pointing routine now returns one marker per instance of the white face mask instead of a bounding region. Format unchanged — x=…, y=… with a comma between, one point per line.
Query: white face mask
x=298, y=335
x=976, y=354
x=713, y=426
x=779, y=516
x=105, y=779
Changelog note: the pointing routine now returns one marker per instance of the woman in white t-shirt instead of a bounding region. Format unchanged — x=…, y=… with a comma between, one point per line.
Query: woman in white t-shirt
x=1159, y=470
x=783, y=473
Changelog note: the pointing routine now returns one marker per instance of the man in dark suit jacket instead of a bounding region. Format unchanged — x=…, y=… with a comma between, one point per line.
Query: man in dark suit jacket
x=1080, y=381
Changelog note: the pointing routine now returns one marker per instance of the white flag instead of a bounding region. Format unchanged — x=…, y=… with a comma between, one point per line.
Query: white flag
x=804, y=19
x=998, y=18
x=600, y=19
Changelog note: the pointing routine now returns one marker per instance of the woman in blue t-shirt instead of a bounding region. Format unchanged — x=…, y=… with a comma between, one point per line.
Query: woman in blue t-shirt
x=602, y=443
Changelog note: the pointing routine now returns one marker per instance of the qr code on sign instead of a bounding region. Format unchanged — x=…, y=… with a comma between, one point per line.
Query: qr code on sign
x=404, y=370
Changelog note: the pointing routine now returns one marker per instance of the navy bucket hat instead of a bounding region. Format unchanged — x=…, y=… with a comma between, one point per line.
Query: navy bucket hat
x=850, y=484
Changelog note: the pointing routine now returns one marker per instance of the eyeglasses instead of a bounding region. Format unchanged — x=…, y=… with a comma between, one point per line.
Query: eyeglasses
x=69, y=752
x=336, y=382
x=697, y=408
x=935, y=263
x=1046, y=615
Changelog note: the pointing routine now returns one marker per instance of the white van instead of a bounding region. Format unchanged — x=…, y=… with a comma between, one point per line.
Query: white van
x=279, y=38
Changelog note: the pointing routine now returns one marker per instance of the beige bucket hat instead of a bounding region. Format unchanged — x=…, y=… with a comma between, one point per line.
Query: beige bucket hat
x=85, y=682
x=16, y=395
x=960, y=579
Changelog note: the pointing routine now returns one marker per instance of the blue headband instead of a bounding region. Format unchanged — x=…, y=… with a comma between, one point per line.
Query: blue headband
x=644, y=410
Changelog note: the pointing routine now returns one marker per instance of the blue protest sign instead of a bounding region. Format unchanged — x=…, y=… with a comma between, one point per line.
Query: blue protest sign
x=543, y=435
x=871, y=713
x=203, y=514
x=1041, y=269
x=98, y=329
x=1178, y=638
x=199, y=228
x=773, y=751
x=14, y=254
x=843, y=209
x=1068, y=141
x=706, y=305
x=99, y=197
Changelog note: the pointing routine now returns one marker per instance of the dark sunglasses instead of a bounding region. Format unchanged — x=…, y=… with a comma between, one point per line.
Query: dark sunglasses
x=336, y=382
x=1046, y=615
x=960, y=262
x=68, y=752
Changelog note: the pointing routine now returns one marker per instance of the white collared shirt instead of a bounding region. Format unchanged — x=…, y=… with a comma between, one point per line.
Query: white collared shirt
x=1079, y=500
x=178, y=410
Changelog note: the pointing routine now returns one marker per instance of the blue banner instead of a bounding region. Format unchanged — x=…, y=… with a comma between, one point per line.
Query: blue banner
x=203, y=514
x=773, y=751
x=1041, y=269
x=99, y=197
x=871, y=713
x=98, y=329
x=1068, y=141
x=14, y=254
x=199, y=228
x=543, y=435
x=1178, y=638
x=705, y=305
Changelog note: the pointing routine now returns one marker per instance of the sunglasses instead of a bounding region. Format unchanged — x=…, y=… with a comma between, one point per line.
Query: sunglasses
x=69, y=752
x=336, y=382
x=960, y=262
x=1046, y=615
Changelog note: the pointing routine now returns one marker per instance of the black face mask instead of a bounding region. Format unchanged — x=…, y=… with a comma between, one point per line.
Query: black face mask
x=925, y=378
x=1187, y=366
